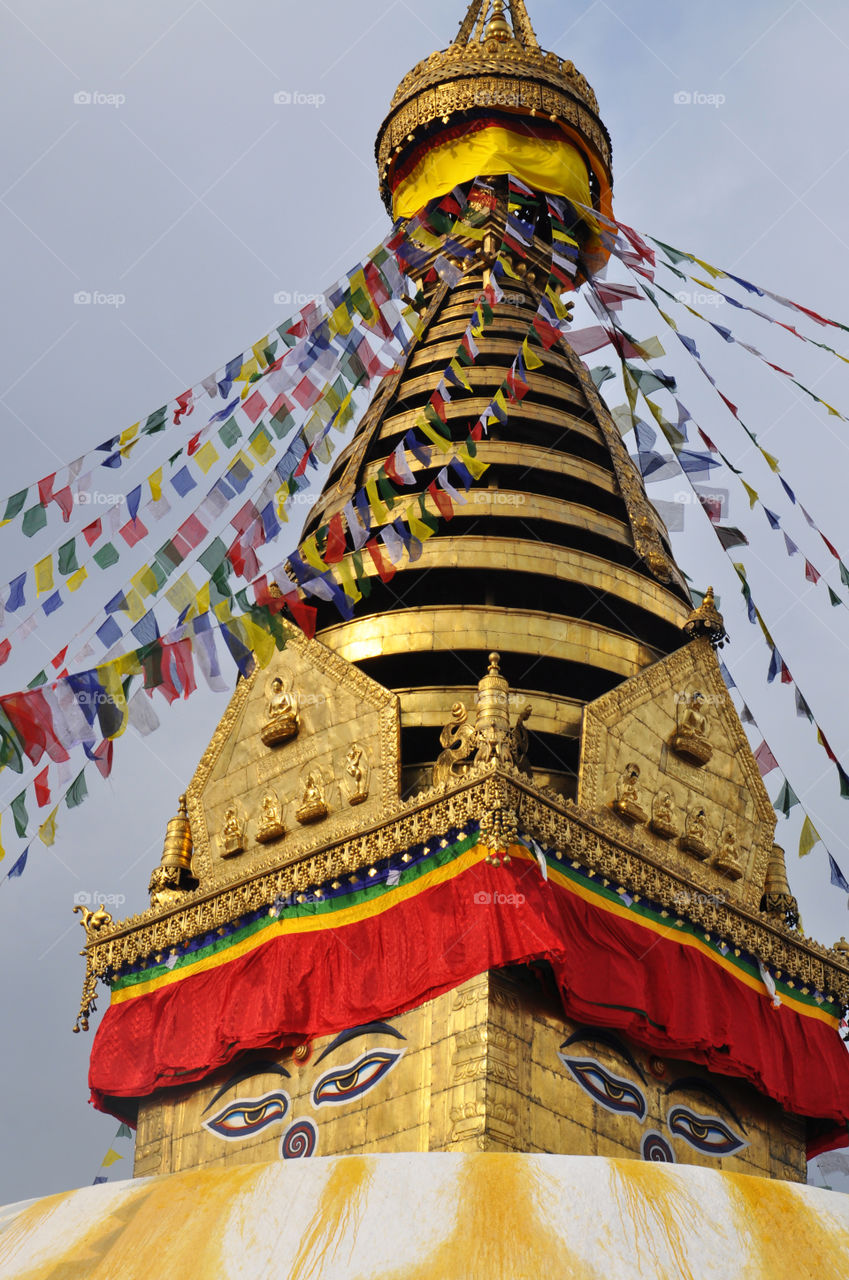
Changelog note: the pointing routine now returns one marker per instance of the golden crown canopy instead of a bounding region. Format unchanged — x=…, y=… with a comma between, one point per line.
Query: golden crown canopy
x=495, y=63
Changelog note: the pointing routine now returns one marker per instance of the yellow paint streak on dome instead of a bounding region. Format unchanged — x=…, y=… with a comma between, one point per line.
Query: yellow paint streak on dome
x=661, y=1210
x=500, y=1231
x=785, y=1234
x=336, y=1220
x=184, y=1215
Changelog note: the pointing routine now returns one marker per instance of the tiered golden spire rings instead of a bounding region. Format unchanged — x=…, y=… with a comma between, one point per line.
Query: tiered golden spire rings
x=472, y=27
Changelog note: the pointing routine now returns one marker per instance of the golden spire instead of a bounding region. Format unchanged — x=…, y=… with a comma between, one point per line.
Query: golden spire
x=472, y=27
x=707, y=621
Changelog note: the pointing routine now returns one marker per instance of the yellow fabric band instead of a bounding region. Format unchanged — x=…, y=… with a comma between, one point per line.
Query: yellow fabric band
x=547, y=165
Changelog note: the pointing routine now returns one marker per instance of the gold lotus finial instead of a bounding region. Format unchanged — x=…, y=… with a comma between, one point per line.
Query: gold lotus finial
x=707, y=621
x=498, y=28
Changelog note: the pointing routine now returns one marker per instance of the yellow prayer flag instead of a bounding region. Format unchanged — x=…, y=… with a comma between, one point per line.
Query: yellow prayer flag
x=181, y=593
x=111, y=1156
x=771, y=461
x=340, y=321
x=508, y=270
x=705, y=266
x=310, y=553
x=203, y=601
x=260, y=641
x=809, y=837
x=706, y=284
x=47, y=830
x=154, y=481
x=418, y=527
x=241, y=456
x=473, y=465
x=259, y=352
x=281, y=498
x=223, y=612
x=349, y=584
x=669, y=320
x=206, y=455
x=261, y=447
x=44, y=575
x=462, y=376
x=530, y=357
x=129, y=434
x=753, y=497
x=443, y=445
x=378, y=509
x=77, y=579
x=651, y=348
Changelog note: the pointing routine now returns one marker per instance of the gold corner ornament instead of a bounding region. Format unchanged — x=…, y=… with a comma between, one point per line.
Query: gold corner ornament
x=707, y=621
x=92, y=922
x=491, y=737
x=173, y=877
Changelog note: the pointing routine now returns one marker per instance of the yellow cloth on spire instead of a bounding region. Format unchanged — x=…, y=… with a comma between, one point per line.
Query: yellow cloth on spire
x=545, y=164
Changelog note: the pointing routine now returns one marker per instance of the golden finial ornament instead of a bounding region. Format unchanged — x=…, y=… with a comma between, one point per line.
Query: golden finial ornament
x=498, y=27
x=173, y=877
x=777, y=900
x=707, y=621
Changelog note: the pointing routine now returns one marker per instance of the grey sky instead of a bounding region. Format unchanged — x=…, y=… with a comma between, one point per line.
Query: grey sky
x=198, y=200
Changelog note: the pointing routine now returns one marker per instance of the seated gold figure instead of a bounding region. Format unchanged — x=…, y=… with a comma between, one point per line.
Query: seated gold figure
x=696, y=837
x=627, y=802
x=282, y=722
x=232, y=835
x=663, y=815
x=691, y=740
x=312, y=806
x=727, y=862
x=270, y=823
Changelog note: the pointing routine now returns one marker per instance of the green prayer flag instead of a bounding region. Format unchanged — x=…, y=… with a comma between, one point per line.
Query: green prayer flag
x=674, y=255
x=213, y=556
x=10, y=751
x=19, y=813
x=786, y=799
x=242, y=600
x=68, y=557
x=844, y=574
x=14, y=505
x=34, y=520
x=809, y=837
x=834, y=597
x=229, y=433
x=77, y=791
x=124, y=1132
x=38, y=680
x=106, y=556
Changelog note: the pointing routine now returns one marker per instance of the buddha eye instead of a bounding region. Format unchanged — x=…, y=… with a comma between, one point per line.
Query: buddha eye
x=609, y=1090
x=704, y=1133
x=247, y=1116
x=351, y=1081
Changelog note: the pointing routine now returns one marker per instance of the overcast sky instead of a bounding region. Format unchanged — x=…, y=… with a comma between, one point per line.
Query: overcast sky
x=182, y=188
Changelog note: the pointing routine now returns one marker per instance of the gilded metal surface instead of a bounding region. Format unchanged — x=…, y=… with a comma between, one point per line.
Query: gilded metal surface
x=254, y=804
x=778, y=899
x=634, y=723
x=527, y=631
x=707, y=621
x=428, y=706
x=490, y=738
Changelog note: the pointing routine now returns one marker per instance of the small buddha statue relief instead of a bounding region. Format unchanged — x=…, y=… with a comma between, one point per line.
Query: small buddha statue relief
x=313, y=805
x=663, y=816
x=727, y=861
x=282, y=721
x=232, y=835
x=627, y=802
x=691, y=740
x=696, y=837
x=270, y=821
x=358, y=770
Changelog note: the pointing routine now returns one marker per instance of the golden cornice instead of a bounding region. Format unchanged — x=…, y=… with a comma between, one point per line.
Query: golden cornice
x=430, y=706
x=526, y=631
x=483, y=795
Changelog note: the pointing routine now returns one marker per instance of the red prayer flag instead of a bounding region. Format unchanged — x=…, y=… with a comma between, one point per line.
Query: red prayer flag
x=335, y=549
x=93, y=531
x=387, y=572
x=765, y=760
x=32, y=720
x=42, y=788
x=811, y=573
x=133, y=531
x=64, y=499
x=444, y=504
x=255, y=406
x=831, y=548
x=102, y=757
x=45, y=489
x=192, y=446
x=184, y=406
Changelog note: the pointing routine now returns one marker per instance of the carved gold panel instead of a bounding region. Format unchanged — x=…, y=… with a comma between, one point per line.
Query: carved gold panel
x=260, y=799
x=684, y=762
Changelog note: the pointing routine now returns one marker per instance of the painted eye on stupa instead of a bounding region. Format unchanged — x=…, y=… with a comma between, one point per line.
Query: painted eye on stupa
x=357, y=1078
x=704, y=1133
x=247, y=1116
x=612, y=1092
